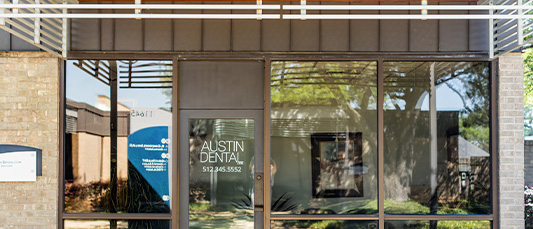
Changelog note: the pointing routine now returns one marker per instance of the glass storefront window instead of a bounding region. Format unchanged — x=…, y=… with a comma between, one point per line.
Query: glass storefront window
x=118, y=162
x=323, y=137
x=221, y=165
x=323, y=145
x=436, y=138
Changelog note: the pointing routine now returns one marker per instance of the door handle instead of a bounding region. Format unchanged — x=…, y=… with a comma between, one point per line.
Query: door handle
x=259, y=192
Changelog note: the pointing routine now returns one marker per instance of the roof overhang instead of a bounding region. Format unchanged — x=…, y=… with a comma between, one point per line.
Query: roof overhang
x=44, y=22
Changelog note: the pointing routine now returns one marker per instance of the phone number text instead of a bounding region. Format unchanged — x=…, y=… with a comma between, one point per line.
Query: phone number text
x=221, y=169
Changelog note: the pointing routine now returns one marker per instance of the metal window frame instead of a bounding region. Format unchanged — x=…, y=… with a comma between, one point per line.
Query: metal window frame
x=62, y=215
x=381, y=217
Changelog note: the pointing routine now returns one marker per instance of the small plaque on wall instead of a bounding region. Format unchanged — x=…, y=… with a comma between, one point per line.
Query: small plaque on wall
x=20, y=163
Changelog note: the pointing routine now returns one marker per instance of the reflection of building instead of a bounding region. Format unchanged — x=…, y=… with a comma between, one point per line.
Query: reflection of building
x=88, y=141
x=468, y=153
x=467, y=168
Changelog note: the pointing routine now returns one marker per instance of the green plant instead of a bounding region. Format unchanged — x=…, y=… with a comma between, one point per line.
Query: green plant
x=281, y=203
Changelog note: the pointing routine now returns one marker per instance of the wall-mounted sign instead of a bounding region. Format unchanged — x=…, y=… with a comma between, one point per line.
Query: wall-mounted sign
x=20, y=163
x=148, y=152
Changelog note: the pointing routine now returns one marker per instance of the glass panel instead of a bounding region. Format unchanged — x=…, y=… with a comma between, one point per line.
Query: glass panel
x=119, y=224
x=323, y=137
x=145, y=98
x=339, y=224
x=436, y=138
x=221, y=173
x=438, y=224
x=143, y=128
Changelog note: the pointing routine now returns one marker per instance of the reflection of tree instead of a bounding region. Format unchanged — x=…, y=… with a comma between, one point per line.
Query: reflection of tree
x=350, y=89
x=198, y=131
x=406, y=125
x=342, y=97
x=472, y=85
x=528, y=91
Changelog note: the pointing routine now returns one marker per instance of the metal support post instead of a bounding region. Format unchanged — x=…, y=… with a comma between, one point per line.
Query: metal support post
x=259, y=10
x=36, y=30
x=424, y=11
x=303, y=11
x=491, y=32
x=64, y=32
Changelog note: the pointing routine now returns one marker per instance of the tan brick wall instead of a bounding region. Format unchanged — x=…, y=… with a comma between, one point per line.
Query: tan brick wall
x=29, y=105
x=511, y=140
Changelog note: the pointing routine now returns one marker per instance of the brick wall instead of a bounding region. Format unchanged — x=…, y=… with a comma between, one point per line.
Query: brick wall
x=29, y=105
x=511, y=140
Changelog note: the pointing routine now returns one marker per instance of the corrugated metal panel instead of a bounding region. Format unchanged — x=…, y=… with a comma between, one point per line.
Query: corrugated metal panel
x=335, y=34
x=129, y=35
x=188, y=34
x=5, y=40
x=221, y=85
x=216, y=33
x=305, y=35
x=246, y=35
x=107, y=37
x=86, y=34
x=158, y=34
x=364, y=35
x=423, y=34
x=18, y=44
x=276, y=35
x=394, y=34
x=453, y=34
x=478, y=34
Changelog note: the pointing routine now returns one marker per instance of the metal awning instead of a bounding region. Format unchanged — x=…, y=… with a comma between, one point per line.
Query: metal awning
x=44, y=22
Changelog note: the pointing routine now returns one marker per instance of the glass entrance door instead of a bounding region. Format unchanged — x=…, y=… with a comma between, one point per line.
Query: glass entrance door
x=220, y=167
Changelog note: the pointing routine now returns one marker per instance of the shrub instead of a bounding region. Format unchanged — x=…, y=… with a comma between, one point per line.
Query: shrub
x=528, y=201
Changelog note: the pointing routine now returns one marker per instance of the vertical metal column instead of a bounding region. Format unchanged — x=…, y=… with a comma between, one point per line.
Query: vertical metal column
x=381, y=163
x=494, y=144
x=113, y=135
x=175, y=145
x=433, y=145
x=266, y=136
x=491, y=32
x=62, y=124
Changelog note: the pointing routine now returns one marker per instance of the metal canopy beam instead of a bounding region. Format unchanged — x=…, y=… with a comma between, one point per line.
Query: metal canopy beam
x=44, y=22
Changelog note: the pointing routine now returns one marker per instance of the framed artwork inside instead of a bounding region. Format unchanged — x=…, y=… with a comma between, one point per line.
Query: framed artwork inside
x=337, y=165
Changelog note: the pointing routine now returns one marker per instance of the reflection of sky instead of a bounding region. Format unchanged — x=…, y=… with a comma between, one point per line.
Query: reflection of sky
x=447, y=100
x=82, y=87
